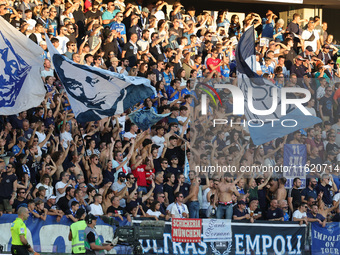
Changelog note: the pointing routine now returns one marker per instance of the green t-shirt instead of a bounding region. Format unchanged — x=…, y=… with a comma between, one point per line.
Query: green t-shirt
x=18, y=228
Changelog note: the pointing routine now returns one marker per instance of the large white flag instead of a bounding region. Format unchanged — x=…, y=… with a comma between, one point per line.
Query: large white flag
x=21, y=86
x=95, y=93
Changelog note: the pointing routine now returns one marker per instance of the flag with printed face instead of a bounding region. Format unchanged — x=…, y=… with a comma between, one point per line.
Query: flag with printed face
x=21, y=86
x=145, y=118
x=266, y=127
x=95, y=93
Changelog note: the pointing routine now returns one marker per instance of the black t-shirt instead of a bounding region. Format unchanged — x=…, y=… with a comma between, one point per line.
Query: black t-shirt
x=332, y=147
x=177, y=151
x=327, y=197
x=274, y=214
x=134, y=30
x=17, y=204
x=239, y=213
x=133, y=204
x=176, y=171
x=90, y=14
x=296, y=195
x=158, y=189
x=7, y=16
x=131, y=53
x=6, y=185
x=157, y=52
x=327, y=105
x=63, y=204
x=170, y=190
x=91, y=238
x=120, y=210
x=184, y=189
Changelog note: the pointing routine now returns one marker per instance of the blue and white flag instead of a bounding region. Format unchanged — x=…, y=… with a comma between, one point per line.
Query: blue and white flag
x=145, y=118
x=262, y=98
x=325, y=240
x=21, y=86
x=95, y=93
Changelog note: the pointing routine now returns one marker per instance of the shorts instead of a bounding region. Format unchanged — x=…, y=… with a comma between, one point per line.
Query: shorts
x=5, y=205
x=19, y=250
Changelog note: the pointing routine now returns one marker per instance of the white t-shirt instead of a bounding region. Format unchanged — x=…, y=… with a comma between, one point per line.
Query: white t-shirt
x=306, y=35
x=182, y=119
x=62, y=44
x=152, y=213
x=118, y=187
x=96, y=209
x=177, y=210
x=299, y=215
x=160, y=142
x=41, y=137
x=49, y=189
x=336, y=198
x=60, y=185
x=129, y=135
x=67, y=136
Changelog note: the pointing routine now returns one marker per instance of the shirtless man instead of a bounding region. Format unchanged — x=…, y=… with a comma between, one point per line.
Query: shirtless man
x=225, y=189
x=192, y=198
x=93, y=169
x=281, y=192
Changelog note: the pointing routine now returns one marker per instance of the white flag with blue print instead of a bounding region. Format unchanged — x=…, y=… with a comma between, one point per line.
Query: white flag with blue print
x=21, y=86
x=95, y=93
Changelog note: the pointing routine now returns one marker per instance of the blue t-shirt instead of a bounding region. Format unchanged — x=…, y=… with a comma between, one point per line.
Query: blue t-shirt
x=119, y=27
x=267, y=29
x=170, y=91
x=167, y=78
x=225, y=71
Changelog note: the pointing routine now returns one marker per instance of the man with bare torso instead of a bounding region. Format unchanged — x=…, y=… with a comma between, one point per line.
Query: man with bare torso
x=225, y=189
x=192, y=198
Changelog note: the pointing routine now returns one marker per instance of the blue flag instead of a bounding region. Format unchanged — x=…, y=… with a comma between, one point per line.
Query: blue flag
x=145, y=118
x=325, y=240
x=95, y=93
x=262, y=98
x=21, y=86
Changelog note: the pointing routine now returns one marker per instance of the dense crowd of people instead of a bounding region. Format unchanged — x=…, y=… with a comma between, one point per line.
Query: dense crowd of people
x=54, y=165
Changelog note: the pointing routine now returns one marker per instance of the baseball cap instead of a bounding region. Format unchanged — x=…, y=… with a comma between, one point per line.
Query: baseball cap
x=327, y=123
x=121, y=174
x=51, y=197
x=145, y=9
x=114, y=59
x=155, y=146
x=22, y=139
x=174, y=156
x=326, y=46
x=41, y=188
x=309, y=48
x=300, y=58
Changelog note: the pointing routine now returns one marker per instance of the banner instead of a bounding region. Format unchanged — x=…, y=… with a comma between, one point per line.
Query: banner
x=186, y=230
x=216, y=230
x=295, y=157
x=247, y=238
x=95, y=93
x=325, y=240
x=52, y=236
x=21, y=86
x=264, y=102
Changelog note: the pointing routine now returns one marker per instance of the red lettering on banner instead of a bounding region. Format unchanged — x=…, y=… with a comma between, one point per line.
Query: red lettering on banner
x=186, y=230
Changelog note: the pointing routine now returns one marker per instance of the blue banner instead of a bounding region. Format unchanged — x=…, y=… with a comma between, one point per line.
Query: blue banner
x=257, y=238
x=50, y=235
x=325, y=240
x=295, y=158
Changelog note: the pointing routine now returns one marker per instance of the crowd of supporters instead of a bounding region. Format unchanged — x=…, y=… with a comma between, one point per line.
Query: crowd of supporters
x=54, y=165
